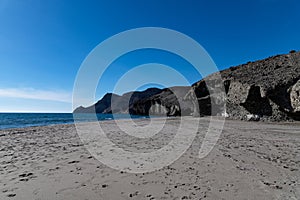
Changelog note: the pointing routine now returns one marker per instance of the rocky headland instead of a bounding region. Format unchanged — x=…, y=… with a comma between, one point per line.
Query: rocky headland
x=267, y=89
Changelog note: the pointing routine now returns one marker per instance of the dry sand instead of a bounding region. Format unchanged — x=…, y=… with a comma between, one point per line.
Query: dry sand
x=251, y=160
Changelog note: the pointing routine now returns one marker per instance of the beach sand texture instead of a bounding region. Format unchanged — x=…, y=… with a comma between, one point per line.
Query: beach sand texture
x=251, y=160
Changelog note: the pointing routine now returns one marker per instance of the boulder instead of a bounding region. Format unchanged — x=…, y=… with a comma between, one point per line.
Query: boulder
x=295, y=97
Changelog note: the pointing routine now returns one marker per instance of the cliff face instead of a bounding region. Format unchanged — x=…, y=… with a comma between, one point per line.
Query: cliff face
x=170, y=102
x=116, y=103
x=268, y=89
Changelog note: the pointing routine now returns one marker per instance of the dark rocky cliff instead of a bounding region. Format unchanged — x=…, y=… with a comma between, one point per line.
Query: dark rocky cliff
x=116, y=103
x=268, y=89
x=170, y=102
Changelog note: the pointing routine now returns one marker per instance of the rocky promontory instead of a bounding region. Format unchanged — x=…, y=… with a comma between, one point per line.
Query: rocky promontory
x=267, y=89
x=113, y=103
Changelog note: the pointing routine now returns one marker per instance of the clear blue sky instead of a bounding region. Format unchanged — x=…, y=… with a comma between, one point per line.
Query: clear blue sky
x=43, y=43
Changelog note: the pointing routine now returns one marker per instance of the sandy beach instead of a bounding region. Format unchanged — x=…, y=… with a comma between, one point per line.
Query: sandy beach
x=251, y=160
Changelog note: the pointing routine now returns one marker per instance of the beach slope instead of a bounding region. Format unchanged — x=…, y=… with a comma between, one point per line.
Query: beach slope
x=251, y=160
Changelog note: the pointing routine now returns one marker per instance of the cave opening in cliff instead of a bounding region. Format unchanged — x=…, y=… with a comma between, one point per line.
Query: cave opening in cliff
x=256, y=104
x=226, y=86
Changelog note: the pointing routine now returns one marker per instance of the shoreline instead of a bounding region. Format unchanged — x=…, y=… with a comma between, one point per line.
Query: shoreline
x=163, y=117
x=69, y=119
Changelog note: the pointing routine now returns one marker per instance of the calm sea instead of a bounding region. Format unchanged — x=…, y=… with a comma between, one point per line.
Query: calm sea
x=20, y=120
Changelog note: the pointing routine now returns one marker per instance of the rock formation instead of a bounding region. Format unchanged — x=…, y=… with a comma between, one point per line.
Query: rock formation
x=295, y=97
x=268, y=89
x=113, y=103
x=169, y=102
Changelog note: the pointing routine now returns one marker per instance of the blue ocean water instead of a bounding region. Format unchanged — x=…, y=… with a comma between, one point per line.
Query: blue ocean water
x=20, y=120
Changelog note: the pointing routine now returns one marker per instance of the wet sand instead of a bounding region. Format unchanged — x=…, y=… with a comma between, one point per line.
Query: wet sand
x=251, y=160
